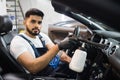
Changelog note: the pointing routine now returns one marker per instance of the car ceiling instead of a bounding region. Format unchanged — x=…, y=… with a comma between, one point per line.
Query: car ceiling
x=105, y=11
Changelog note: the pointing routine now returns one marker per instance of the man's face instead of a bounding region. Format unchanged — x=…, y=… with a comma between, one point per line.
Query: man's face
x=33, y=24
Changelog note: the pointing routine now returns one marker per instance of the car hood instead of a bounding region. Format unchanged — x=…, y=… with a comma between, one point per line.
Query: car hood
x=105, y=11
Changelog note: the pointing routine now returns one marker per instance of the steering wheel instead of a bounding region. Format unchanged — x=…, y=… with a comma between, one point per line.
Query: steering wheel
x=76, y=31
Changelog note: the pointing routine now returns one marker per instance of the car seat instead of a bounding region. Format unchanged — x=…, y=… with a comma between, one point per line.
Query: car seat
x=7, y=62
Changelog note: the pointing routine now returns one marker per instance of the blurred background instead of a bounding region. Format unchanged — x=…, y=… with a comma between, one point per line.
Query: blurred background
x=16, y=9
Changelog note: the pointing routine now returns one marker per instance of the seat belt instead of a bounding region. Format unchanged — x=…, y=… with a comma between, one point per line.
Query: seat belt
x=54, y=62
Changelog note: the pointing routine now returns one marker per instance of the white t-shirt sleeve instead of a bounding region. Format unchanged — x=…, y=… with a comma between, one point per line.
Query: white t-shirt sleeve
x=18, y=46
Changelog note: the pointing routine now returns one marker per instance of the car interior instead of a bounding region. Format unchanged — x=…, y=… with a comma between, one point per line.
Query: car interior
x=101, y=39
x=9, y=67
x=104, y=23
x=7, y=63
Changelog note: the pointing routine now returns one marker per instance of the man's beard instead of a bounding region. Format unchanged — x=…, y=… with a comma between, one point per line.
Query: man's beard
x=34, y=33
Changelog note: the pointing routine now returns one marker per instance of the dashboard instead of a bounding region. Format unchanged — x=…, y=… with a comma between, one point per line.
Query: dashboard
x=112, y=46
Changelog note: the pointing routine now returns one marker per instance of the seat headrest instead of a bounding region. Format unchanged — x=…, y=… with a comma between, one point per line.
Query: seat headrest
x=5, y=24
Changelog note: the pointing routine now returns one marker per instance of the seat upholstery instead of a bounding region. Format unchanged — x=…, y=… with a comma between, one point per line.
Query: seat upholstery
x=7, y=62
x=5, y=24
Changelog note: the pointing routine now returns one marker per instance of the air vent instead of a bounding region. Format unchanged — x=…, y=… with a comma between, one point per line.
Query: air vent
x=108, y=45
x=107, y=48
x=96, y=38
x=104, y=41
x=113, y=50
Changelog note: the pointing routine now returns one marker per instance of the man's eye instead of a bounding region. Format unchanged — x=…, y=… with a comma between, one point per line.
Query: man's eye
x=33, y=21
x=39, y=22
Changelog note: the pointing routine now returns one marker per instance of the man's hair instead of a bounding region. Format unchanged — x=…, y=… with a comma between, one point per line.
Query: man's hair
x=34, y=11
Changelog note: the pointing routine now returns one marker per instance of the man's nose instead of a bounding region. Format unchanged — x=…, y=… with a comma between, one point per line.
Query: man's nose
x=37, y=25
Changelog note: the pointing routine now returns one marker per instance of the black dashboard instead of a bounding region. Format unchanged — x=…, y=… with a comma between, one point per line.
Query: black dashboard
x=112, y=48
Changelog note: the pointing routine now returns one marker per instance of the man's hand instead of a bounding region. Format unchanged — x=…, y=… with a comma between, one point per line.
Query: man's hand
x=68, y=42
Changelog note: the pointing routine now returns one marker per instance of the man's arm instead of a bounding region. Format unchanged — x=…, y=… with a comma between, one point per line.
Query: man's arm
x=34, y=65
x=63, y=56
